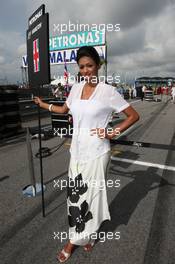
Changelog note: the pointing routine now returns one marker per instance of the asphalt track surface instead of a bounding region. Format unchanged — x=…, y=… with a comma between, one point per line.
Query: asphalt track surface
x=142, y=207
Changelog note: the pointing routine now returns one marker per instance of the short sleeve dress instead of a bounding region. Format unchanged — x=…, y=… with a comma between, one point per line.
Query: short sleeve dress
x=86, y=195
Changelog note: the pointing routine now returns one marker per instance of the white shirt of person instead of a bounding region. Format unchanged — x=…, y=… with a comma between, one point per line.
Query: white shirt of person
x=90, y=114
x=143, y=88
x=173, y=91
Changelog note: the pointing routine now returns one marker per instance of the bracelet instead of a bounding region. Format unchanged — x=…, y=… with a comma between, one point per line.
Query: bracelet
x=50, y=107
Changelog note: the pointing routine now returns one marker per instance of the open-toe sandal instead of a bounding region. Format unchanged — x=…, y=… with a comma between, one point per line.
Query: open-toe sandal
x=88, y=247
x=63, y=256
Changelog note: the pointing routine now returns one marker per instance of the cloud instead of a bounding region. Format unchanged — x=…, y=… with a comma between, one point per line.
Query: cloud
x=22, y=49
x=2, y=59
x=145, y=43
x=155, y=55
x=13, y=16
x=126, y=42
x=9, y=48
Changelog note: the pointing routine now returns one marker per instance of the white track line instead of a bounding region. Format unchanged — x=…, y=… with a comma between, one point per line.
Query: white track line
x=143, y=163
x=133, y=102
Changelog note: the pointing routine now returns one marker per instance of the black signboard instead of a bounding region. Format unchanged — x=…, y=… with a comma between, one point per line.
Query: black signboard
x=36, y=15
x=38, y=49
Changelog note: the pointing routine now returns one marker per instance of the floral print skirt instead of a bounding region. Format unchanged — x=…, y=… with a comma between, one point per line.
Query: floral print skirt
x=87, y=198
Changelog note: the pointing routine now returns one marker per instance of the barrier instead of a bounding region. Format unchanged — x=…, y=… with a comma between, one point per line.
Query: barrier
x=141, y=144
x=2, y=126
x=29, y=111
x=10, y=110
x=60, y=121
x=149, y=95
x=35, y=188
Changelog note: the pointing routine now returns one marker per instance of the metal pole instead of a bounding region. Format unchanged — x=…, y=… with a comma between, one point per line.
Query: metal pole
x=22, y=75
x=106, y=76
x=30, y=160
x=25, y=71
x=40, y=156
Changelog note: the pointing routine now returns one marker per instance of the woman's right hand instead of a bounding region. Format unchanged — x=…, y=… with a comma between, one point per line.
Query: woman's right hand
x=37, y=101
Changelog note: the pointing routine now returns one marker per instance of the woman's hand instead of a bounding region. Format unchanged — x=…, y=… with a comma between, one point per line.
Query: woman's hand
x=37, y=101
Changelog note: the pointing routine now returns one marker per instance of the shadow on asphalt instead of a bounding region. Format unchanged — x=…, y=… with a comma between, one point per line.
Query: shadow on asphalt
x=31, y=214
x=57, y=177
x=126, y=155
x=128, y=198
x=4, y=178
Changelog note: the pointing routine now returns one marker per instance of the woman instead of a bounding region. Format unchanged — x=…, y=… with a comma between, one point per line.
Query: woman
x=91, y=104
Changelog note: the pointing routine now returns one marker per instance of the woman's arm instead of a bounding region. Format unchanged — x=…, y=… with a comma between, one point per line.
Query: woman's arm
x=109, y=133
x=132, y=117
x=52, y=108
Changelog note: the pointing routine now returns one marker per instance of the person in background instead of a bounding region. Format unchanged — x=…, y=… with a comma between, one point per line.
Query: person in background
x=173, y=93
x=143, y=92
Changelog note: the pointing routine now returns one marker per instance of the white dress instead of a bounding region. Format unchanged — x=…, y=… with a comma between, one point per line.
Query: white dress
x=86, y=195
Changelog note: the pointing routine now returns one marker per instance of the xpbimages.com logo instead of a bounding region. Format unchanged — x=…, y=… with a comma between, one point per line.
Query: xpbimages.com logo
x=94, y=79
x=70, y=131
x=100, y=236
x=75, y=27
x=78, y=184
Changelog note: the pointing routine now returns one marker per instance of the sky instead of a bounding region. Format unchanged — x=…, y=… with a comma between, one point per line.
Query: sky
x=144, y=46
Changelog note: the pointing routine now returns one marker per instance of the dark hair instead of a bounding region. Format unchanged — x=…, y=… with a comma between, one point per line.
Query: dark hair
x=79, y=78
x=88, y=51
